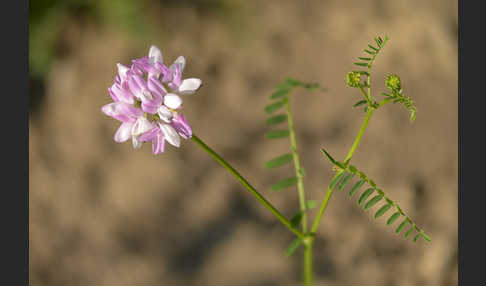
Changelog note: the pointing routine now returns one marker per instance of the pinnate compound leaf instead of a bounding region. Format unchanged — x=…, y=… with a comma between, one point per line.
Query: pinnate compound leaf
x=285, y=183
x=279, y=161
x=382, y=210
x=365, y=195
x=393, y=218
x=279, y=118
x=293, y=246
x=275, y=134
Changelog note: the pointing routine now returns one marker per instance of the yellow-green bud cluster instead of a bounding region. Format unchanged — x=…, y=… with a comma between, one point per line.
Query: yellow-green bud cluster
x=393, y=82
x=353, y=79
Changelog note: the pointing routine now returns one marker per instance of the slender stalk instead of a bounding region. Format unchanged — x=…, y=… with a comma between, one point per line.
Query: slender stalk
x=360, y=134
x=298, y=174
x=249, y=187
x=351, y=151
x=308, y=265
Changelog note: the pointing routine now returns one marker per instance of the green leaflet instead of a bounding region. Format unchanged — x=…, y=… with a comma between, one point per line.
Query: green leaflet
x=277, y=134
x=361, y=64
x=402, y=226
x=279, y=161
x=364, y=59
x=274, y=107
x=426, y=237
x=379, y=42
x=409, y=231
x=280, y=93
x=293, y=246
x=285, y=183
x=373, y=201
x=373, y=48
x=369, y=52
x=345, y=181
x=355, y=188
x=328, y=156
x=279, y=118
x=336, y=180
x=295, y=221
x=293, y=82
x=310, y=204
x=393, y=218
x=365, y=195
x=382, y=210
x=417, y=237
x=361, y=102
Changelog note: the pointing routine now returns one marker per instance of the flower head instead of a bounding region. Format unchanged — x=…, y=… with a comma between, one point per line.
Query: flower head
x=392, y=82
x=353, y=79
x=146, y=99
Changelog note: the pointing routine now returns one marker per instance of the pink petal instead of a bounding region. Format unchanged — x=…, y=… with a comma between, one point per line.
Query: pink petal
x=181, y=126
x=121, y=111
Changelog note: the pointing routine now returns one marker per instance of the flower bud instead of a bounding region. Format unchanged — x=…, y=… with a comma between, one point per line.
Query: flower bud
x=393, y=82
x=353, y=79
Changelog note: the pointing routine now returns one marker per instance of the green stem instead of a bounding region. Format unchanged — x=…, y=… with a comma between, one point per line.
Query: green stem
x=308, y=265
x=365, y=95
x=249, y=187
x=295, y=155
x=351, y=151
x=360, y=134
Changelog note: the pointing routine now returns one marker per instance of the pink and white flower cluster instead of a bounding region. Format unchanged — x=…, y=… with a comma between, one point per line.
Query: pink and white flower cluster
x=147, y=97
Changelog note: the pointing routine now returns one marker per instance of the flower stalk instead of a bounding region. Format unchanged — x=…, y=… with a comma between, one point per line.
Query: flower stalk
x=248, y=186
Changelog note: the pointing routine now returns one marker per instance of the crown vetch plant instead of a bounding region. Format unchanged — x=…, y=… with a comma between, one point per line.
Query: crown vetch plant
x=147, y=98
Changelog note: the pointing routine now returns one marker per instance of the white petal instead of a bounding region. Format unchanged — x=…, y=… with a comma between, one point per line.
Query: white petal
x=136, y=143
x=190, y=85
x=155, y=55
x=181, y=61
x=122, y=70
x=141, y=126
x=164, y=113
x=172, y=101
x=124, y=132
x=170, y=135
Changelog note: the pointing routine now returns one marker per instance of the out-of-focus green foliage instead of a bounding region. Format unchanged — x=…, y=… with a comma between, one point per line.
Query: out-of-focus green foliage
x=48, y=17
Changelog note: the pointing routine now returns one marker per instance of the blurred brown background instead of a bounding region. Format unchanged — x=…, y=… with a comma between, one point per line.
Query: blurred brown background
x=102, y=213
